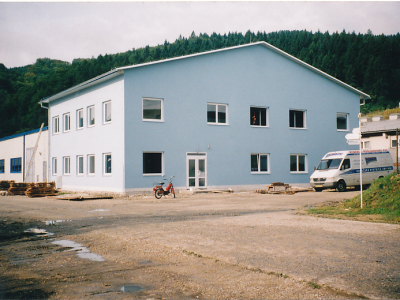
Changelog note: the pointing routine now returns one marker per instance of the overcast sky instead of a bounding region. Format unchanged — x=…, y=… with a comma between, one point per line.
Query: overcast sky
x=81, y=30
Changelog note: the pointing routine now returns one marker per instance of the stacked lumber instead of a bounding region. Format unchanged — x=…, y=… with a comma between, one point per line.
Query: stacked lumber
x=41, y=189
x=5, y=185
x=17, y=188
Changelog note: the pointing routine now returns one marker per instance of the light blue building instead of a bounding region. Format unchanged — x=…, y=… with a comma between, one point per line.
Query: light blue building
x=237, y=117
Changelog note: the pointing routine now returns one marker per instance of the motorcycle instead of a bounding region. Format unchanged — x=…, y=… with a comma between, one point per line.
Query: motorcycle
x=159, y=190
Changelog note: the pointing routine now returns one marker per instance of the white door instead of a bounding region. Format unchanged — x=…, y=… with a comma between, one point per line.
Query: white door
x=196, y=170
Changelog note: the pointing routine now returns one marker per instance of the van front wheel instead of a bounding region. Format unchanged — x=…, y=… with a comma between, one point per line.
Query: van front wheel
x=341, y=186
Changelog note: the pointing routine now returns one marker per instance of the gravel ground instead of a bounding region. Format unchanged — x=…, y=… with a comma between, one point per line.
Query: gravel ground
x=204, y=246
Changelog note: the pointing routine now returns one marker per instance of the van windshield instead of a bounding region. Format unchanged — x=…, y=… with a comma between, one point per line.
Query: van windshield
x=326, y=164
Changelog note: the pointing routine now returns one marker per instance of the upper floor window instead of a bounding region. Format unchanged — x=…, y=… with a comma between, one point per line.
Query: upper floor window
x=107, y=112
x=217, y=113
x=259, y=163
x=91, y=116
x=297, y=118
x=258, y=116
x=79, y=119
x=298, y=163
x=1, y=165
x=67, y=122
x=342, y=121
x=393, y=143
x=56, y=124
x=16, y=165
x=365, y=144
x=153, y=109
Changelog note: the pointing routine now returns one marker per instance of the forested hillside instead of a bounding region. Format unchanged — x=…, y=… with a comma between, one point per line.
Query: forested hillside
x=365, y=61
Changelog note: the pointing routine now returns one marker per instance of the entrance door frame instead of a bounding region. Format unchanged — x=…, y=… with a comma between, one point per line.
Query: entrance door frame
x=196, y=156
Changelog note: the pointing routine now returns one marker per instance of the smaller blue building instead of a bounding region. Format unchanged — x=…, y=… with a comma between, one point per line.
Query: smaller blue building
x=239, y=117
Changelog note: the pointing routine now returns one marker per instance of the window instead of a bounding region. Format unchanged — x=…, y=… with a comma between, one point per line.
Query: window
x=56, y=125
x=152, y=163
x=258, y=116
x=365, y=145
x=152, y=109
x=217, y=113
x=297, y=118
x=1, y=165
x=79, y=165
x=91, y=116
x=79, y=119
x=298, y=163
x=67, y=122
x=107, y=112
x=67, y=165
x=341, y=121
x=54, y=165
x=259, y=163
x=394, y=143
x=107, y=163
x=16, y=165
x=91, y=164
x=346, y=164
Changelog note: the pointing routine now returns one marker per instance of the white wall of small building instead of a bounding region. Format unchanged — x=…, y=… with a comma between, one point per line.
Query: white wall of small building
x=383, y=141
x=17, y=148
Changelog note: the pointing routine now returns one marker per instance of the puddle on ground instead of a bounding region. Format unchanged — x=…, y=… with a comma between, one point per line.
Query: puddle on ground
x=99, y=209
x=54, y=222
x=131, y=288
x=41, y=232
x=82, y=252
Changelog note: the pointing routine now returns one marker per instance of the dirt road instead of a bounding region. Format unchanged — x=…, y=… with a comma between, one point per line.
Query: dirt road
x=206, y=246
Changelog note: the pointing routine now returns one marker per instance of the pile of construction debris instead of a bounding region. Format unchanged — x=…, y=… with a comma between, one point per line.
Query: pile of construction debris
x=41, y=189
x=279, y=188
x=18, y=188
x=5, y=185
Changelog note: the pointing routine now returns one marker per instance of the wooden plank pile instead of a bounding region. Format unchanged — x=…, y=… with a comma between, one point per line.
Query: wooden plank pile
x=17, y=188
x=5, y=185
x=41, y=189
x=277, y=188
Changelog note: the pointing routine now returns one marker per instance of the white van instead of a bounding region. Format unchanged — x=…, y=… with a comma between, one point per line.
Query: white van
x=340, y=169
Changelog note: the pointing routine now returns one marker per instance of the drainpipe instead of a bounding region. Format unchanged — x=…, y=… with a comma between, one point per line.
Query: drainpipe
x=23, y=157
x=397, y=150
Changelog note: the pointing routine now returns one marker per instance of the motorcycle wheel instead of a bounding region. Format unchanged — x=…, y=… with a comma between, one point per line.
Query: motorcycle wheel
x=158, y=194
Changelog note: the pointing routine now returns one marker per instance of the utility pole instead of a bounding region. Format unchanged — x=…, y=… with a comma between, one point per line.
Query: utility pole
x=397, y=150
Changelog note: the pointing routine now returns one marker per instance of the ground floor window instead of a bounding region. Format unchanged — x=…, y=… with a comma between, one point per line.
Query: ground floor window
x=152, y=163
x=259, y=163
x=79, y=164
x=91, y=164
x=1, y=165
x=67, y=165
x=54, y=165
x=16, y=165
x=298, y=163
x=107, y=163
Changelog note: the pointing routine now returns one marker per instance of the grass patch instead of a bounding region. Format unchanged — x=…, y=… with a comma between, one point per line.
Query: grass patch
x=314, y=285
x=381, y=202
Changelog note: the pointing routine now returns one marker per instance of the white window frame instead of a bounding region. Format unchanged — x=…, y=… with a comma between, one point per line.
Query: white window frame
x=105, y=164
x=347, y=121
x=105, y=105
x=56, y=125
x=266, y=116
x=79, y=160
x=297, y=163
x=54, y=165
x=162, y=109
x=89, y=170
x=79, y=115
x=217, y=105
x=259, y=164
x=364, y=144
x=66, y=165
x=66, y=122
x=304, y=119
x=162, y=164
x=393, y=139
x=91, y=111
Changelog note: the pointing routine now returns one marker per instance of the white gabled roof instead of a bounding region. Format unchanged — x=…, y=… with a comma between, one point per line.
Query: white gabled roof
x=120, y=70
